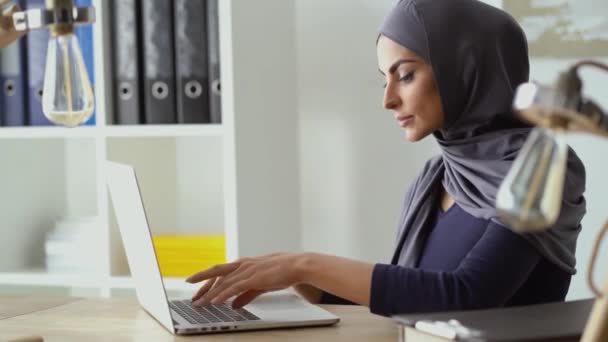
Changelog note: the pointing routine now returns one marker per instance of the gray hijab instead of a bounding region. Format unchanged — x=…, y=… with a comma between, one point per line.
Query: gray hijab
x=479, y=56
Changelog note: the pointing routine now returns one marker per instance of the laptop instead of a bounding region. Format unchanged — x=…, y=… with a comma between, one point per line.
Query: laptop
x=273, y=310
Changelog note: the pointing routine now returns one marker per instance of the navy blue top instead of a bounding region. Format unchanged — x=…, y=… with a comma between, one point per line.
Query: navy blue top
x=468, y=263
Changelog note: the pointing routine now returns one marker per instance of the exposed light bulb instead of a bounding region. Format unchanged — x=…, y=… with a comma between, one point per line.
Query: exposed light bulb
x=67, y=94
x=530, y=197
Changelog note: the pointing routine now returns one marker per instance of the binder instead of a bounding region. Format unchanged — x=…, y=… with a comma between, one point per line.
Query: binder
x=158, y=61
x=541, y=322
x=37, y=43
x=126, y=75
x=84, y=33
x=13, y=79
x=191, y=66
x=215, y=86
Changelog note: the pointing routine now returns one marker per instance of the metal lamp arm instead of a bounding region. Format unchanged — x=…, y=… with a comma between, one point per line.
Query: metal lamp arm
x=14, y=22
x=588, y=62
x=597, y=324
x=596, y=328
x=562, y=105
x=592, y=110
x=8, y=34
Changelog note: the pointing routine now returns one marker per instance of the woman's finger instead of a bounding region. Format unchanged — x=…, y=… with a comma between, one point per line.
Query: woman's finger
x=246, y=298
x=204, y=289
x=215, y=271
x=234, y=290
x=223, y=284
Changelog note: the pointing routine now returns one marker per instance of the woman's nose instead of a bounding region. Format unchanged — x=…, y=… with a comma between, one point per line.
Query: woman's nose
x=391, y=98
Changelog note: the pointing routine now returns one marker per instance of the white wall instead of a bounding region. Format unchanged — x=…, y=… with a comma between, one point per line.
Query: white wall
x=354, y=161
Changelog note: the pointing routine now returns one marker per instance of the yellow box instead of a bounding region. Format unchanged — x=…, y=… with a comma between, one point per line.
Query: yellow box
x=184, y=255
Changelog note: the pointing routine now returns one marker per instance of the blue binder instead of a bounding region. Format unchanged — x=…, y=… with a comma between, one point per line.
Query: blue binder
x=84, y=33
x=13, y=80
x=37, y=43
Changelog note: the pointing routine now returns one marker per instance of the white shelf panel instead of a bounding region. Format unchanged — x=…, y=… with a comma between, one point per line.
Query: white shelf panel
x=45, y=279
x=170, y=283
x=47, y=132
x=42, y=278
x=163, y=131
x=209, y=130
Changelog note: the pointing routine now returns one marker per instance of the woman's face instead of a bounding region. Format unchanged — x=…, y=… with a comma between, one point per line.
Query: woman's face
x=410, y=91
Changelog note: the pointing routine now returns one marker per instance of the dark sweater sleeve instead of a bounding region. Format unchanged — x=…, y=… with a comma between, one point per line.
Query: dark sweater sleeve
x=499, y=263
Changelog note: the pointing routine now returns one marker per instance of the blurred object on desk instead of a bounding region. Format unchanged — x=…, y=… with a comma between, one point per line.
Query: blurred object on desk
x=541, y=322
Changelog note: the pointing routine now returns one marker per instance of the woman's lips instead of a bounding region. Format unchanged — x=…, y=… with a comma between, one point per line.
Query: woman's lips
x=405, y=121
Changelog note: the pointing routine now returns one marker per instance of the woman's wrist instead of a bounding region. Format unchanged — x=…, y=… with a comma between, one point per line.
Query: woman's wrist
x=305, y=267
x=342, y=277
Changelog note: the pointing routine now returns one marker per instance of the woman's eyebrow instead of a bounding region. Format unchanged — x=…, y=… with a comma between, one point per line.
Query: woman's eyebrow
x=395, y=65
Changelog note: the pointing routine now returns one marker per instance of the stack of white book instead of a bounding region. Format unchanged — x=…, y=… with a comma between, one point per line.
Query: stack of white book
x=73, y=246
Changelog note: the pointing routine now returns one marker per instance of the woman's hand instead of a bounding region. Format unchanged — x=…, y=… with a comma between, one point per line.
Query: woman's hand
x=247, y=278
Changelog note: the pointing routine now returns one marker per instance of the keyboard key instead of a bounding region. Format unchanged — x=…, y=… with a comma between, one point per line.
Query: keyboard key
x=185, y=316
x=214, y=310
x=231, y=313
x=201, y=317
x=211, y=314
x=248, y=315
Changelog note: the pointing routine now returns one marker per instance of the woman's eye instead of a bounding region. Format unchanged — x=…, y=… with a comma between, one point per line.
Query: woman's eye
x=407, y=78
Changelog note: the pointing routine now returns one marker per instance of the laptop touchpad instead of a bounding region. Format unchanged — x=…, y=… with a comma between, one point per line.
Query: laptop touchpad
x=285, y=306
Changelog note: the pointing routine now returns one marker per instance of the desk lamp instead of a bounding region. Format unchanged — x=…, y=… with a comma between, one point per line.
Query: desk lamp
x=67, y=97
x=529, y=199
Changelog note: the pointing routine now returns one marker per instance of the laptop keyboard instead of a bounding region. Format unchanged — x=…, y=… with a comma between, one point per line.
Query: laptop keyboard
x=215, y=313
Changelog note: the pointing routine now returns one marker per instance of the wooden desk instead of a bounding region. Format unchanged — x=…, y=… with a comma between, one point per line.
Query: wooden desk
x=11, y=306
x=123, y=320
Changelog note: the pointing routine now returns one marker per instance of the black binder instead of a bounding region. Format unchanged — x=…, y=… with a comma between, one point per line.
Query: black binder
x=126, y=56
x=159, y=73
x=215, y=86
x=543, y=322
x=191, y=70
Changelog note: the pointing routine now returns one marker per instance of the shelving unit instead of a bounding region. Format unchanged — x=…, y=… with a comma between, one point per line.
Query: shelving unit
x=42, y=278
x=112, y=131
x=235, y=179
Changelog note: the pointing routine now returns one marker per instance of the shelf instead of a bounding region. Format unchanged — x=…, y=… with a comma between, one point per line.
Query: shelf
x=44, y=279
x=170, y=283
x=209, y=130
x=163, y=131
x=194, y=178
x=47, y=132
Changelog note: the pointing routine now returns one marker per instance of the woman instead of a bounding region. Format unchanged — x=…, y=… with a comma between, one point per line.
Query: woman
x=451, y=68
